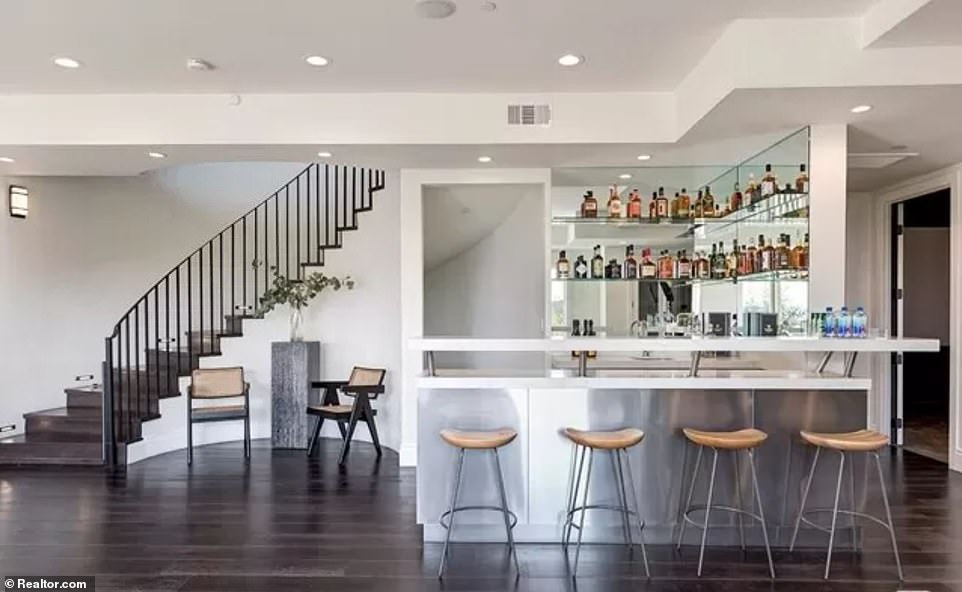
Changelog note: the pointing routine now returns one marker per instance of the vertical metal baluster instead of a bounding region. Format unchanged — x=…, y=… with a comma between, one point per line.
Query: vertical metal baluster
x=277, y=232
x=267, y=258
x=130, y=384
x=297, y=227
x=353, y=196
x=155, y=341
x=200, y=299
x=287, y=227
x=256, y=296
x=327, y=205
x=210, y=272
x=233, y=277
x=167, y=326
x=337, y=218
x=190, y=309
x=220, y=269
x=177, y=335
x=344, y=197
x=137, y=352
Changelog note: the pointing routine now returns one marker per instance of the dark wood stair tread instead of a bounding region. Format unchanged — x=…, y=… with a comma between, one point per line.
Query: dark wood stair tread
x=25, y=450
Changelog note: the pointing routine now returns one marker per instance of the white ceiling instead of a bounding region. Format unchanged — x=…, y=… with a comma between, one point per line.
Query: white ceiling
x=937, y=23
x=136, y=46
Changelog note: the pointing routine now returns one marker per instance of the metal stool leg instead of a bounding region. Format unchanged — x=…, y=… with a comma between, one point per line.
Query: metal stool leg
x=691, y=492
x=852, y=504
x=888, y=516
x=584, y=510
x=838, y=492
x=711, y=490
x=634, y=497
x=761, y=512
x=739, y=500
x=571, y=485
x=622, y=496
x=504, y=506
x=454, y=504
x=801, y=509
x=569, y=520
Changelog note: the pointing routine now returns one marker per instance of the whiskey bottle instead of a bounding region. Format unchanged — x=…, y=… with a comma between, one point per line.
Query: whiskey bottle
x=751, y=190
x=653, y=206
x=581, y=268
x=702, y=267
x=768, y=257
x=614, y=203
x=575, y=332
x=684, y=266
x=735, y=201
x=662, y=206
x=708, y=203
x=589, y=207
x=648, y=269
x=684, y=204
x=731, y=261
x=803, y=254
x=590, y=332
x=801, y=181
x=699, y=209
x=563, y=266
x=613, y=270
x=666, y=266
x=597, y=264
x=743, y=264
x=675, y=204
x=630, y=265
x=634, y=205
x=769, y=182
x=750, y=256
x=783, y=253
x=719, y=262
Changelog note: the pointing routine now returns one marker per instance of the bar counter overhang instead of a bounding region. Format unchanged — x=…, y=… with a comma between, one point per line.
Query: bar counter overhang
x=660, y=395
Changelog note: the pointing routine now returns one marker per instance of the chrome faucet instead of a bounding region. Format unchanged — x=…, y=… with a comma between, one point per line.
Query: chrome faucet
x=639, y=328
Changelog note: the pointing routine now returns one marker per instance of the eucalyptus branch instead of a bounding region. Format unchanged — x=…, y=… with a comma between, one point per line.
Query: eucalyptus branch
x=298, y=293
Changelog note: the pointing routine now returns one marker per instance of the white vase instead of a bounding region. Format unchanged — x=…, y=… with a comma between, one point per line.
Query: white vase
x=296, y=321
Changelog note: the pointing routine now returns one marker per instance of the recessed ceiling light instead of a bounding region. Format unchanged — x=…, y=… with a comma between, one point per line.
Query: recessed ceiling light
x=644, y=157
x=65, y=62
x=316, y=60
x=199, y=65
x=861, y=108
x=570, y=59
x=484, y=159
x=624, y=176
x=6, y=159
x=325, y=154
x=156, y=155
x=489, y=6
x=435, y=9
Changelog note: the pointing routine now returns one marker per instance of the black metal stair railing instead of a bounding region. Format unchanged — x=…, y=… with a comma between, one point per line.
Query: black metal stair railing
x=206, y=296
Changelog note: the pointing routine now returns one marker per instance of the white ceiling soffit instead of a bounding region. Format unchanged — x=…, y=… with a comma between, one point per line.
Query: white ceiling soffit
x=876, y=160
x=924, y=23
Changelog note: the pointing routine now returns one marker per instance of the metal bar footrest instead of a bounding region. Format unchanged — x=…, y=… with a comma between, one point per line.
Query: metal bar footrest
x=569, y=521
x=828, y=530
x=730, y=509
x=498, y=509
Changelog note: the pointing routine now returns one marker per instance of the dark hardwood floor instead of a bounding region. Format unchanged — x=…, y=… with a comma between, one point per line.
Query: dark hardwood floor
x=283, y=523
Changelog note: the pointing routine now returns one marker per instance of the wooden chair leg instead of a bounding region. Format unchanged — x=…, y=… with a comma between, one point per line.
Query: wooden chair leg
x=346, y=444
x=317, y=432
x=371, y=427
x=190, y=440
x=247, y=437
x=340, y=426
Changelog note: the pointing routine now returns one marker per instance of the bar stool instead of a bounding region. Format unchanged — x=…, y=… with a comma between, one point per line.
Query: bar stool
x=617, y=443
x=478, y=440
x=867, y=441
x=747, y=440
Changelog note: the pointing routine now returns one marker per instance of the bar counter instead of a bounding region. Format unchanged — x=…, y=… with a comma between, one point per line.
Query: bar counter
x=661, y=398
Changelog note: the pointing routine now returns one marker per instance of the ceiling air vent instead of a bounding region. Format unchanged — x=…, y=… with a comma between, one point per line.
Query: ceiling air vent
x=529, y=115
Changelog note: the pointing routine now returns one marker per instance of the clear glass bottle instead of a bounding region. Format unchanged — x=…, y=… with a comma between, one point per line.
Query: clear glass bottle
x=675, y=204
x=768, y=257
x=581, y=268
x=684, y=266
x=563, y=266
x=589, y=206
x=769, y=182
x=684, y=204
x=597, y=264
x=630, y=265
x=614, y=203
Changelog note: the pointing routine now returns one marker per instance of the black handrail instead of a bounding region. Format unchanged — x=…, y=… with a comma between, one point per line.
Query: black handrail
x=132, y=391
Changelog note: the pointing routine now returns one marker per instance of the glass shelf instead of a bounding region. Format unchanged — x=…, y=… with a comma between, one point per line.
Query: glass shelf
x=783, y=275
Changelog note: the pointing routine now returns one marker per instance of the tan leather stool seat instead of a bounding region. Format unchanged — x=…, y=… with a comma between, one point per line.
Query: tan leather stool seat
x=606, y=440
x=479, y=440
x=331, y=408
x=860, y=441
x=737, y=440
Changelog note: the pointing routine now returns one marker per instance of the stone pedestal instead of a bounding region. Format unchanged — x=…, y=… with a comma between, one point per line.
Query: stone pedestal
x=293, y=366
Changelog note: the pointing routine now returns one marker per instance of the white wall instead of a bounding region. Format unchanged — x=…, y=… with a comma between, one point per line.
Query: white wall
x=494, y=288
x=91, y=246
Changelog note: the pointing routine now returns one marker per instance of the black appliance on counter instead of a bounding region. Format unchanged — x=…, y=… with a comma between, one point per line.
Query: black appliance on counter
x=761, y=324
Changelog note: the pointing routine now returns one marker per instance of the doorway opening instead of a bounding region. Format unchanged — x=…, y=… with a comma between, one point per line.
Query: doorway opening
x=920, y=308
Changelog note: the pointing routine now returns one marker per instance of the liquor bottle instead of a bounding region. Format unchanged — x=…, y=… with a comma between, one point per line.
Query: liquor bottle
x=597, y=264
x=575, y=332
x=801, y=181
x=589, y=207
x=613, y=270
x=751, y=255
x=719, y=262
x=702, y=267
x=684, y=204
x=675, y=204
x=699, y=209
x=768, y=257
x=708, y=200
x=718, y=211
x=648, y=268
x=769, y=182
x=581, y=268
x=735, y=201
x=662, y=207
x=751, y=190
x=590, y=332
x=731, y=261
x=783, y=254
x=630, y=265
x=744, y=264
x=803, y=253
x=614, y=203
x=684, y=266
x=759, y=255
x=653, y=206
x=666, y=266
x=563, y=266
x=634, y=205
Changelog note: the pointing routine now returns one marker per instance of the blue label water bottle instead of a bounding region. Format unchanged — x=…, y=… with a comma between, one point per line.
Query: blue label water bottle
x=828, y=325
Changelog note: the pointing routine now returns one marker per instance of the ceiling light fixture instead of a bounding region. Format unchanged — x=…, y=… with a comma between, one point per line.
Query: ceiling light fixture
x=156, y=155
x=484, y=159
x=6, y=159
x=644, y=157
x=570, y=59
x=489, y=6
x=199, y=65
x=435, y=9
x=325, y=154
x=65, y=62
x=861, y=108
x=316, y=60
x=624, y=176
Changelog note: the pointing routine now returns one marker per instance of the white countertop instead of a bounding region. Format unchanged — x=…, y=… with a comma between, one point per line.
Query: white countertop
x=653, y=380
x=694, y=344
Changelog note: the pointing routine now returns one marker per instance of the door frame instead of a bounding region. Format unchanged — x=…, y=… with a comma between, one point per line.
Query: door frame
x=949, y=178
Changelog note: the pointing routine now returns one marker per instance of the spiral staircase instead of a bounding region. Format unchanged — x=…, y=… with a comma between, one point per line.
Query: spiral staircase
x=184, y=316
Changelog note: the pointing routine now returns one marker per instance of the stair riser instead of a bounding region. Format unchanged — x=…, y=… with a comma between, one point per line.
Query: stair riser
x=82, y=399
x=63, y=429
x=51, y=453
x=173, y=361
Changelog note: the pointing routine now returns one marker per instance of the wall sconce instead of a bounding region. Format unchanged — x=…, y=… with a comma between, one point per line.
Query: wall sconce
x=19, y=201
